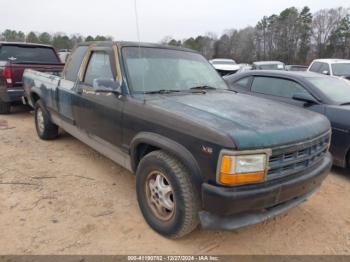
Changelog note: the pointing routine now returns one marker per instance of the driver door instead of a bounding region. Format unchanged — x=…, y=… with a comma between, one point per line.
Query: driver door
x=99, y=114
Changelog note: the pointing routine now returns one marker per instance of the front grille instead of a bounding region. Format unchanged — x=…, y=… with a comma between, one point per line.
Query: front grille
x=292, y=159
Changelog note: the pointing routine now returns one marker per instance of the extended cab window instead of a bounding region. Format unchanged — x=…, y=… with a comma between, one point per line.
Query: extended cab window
x=73, y=66
x=99, y=67
x=276, y=87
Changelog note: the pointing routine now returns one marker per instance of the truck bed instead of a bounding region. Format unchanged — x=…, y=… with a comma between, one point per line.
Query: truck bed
x=48, y=83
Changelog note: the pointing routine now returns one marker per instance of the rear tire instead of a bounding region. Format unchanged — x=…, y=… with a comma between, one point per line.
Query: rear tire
x=5, y=107
x=45, y=129
x=166, y=195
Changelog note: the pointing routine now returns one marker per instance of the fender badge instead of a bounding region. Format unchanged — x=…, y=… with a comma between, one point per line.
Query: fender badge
x=207, y=150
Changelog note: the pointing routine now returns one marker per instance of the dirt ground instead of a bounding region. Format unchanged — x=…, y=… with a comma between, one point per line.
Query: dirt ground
x=61, y=197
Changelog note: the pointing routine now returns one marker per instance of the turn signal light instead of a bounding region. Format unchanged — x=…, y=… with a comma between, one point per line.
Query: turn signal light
x=241, y=179
x=242, y=169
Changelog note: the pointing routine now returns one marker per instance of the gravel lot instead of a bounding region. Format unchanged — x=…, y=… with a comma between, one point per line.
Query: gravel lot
x=61, y=197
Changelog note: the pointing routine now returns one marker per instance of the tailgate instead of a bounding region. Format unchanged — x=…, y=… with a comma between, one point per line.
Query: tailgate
x=18, y=69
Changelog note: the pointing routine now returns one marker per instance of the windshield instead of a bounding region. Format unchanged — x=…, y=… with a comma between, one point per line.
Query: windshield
x=337, y=90
x=29, y=54
x=341, y=69
x=154, y=69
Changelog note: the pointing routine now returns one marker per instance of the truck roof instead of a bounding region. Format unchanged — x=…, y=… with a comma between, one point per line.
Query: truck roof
x=24, y=44
x=135, y=44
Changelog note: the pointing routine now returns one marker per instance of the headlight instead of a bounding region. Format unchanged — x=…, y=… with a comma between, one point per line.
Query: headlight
x=239, y=169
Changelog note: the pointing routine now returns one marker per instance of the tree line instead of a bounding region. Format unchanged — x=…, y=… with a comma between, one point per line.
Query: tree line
x=293, y=36
x=58, y=40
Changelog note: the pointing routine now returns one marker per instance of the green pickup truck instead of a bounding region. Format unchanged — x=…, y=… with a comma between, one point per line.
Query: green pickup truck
x=201, y=153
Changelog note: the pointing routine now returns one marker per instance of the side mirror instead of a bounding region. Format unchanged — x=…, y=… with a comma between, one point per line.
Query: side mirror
x=106, y=86
x=305, y=97
x=325, y=72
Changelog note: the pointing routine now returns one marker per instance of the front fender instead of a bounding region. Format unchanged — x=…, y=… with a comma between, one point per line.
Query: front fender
x=170, y=146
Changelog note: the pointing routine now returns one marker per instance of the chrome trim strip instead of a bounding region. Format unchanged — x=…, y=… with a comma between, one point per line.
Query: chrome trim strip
x=14, y=90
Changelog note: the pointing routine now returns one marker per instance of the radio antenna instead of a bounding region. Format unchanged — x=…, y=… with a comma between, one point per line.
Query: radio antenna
x=140, y=53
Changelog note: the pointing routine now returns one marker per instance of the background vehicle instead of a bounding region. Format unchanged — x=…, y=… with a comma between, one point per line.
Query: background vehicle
x=225, y=66
x=14, y=59
x=244, y=67
x=268, y=65
x=332, y=67
x=63, y=54
x=329, y=96
x=299, y=68
x=200, y=151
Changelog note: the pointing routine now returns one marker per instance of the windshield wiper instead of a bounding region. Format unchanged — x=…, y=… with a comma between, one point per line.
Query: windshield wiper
x=345, y=104
x=203, y=87
x=162, y=91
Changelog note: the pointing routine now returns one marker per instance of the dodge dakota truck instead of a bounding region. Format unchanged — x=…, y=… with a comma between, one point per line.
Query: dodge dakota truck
x=202, y=154
x=14, y=59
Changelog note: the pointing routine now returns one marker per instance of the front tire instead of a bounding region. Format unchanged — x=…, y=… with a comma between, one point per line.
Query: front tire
x=166, y=195
x=45, y=129
x=5, y=107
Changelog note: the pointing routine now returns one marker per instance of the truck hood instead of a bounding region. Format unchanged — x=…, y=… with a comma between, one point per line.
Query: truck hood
x=251, y=122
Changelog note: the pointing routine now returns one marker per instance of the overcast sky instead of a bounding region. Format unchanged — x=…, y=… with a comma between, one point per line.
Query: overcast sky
x=157, y=18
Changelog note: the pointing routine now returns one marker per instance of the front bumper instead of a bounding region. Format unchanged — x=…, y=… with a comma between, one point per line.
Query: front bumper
x=231, y=208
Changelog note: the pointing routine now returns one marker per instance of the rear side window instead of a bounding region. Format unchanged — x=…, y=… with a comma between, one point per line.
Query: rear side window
x=28, y=54
x=99, y=67
x=243, y=82
x=73, y=66
x=276, y=87
x=316, y=67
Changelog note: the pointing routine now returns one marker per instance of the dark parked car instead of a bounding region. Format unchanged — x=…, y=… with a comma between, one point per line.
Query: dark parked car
x=327, y=95
x=299, y=68
x=14, y=59
x=200, y=151
x=268, y=65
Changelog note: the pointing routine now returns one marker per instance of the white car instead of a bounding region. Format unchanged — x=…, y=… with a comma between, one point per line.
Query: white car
x=331, y=67
x=63, y=55
x=225, y=66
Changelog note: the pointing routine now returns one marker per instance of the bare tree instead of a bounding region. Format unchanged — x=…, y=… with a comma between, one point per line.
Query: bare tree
x=325, y=23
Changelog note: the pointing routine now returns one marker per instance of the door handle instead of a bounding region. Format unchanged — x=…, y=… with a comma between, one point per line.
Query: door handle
x=79, y=90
